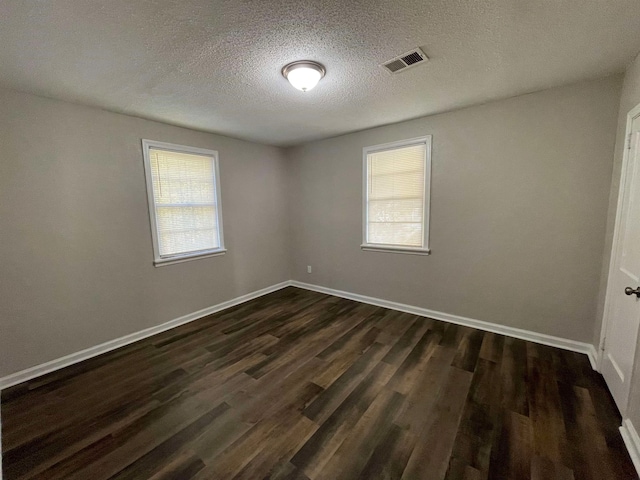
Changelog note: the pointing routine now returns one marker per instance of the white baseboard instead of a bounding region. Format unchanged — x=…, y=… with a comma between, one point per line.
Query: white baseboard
x=91, y=352
x=627, y=430
x=632, y=441
x=563, y=343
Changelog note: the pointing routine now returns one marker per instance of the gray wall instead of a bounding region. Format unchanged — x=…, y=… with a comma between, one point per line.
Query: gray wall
x=520, y=191
x=629, y=98
x=75, y=244
x=519, y=204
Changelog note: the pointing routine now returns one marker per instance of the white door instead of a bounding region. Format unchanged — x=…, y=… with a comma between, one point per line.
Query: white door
x=623, y=291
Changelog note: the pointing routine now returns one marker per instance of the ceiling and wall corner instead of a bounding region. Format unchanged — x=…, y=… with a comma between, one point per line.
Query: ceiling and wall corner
x=215, y=65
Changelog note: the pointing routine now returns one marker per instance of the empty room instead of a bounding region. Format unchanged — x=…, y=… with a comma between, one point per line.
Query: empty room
x=305, y=240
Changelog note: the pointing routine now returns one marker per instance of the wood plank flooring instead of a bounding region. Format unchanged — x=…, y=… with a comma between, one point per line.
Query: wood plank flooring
x=301, y=385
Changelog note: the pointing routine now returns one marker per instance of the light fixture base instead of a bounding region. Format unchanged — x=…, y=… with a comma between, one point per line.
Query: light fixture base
x=317, y=70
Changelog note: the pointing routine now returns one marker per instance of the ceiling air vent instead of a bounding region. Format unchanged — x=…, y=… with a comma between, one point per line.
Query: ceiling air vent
x=405, y=61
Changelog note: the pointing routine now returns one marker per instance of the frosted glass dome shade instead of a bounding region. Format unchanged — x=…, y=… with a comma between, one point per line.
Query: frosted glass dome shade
x=303, y=75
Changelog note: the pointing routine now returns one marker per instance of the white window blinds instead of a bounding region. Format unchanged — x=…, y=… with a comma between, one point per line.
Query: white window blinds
x=396, y=193
x=185, y=202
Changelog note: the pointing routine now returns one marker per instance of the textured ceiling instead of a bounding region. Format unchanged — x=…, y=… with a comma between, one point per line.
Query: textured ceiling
x=215, y=65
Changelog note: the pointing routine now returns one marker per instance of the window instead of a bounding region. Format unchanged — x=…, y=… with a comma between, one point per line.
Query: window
x=396, y=196
x=183, y=188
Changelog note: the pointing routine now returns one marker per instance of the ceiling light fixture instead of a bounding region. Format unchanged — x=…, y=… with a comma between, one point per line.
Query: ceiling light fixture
x=303, y=74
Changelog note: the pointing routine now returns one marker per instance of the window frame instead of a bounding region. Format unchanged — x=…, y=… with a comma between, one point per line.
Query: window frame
x=388, y=248
x=160, y=260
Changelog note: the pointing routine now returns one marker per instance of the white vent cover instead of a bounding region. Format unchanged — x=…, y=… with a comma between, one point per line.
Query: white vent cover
x=405, y=61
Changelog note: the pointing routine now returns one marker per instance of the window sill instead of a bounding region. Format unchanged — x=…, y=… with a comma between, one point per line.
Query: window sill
x=391, y=249
x=162, y=262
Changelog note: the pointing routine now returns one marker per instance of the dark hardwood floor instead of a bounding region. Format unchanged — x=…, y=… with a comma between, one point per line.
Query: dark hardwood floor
x=301, y=385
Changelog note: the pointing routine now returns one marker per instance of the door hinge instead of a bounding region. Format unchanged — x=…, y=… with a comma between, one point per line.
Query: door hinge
x=604, y=342
x=629, y=141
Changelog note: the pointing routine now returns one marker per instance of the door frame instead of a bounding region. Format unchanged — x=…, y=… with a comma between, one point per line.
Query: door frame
x=606, y=314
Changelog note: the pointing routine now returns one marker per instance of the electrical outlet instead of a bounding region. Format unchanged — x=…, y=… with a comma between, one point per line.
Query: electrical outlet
x=308, y=268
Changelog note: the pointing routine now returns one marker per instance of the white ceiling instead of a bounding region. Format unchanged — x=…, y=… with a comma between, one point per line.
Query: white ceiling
x=215, y=65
